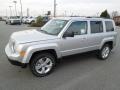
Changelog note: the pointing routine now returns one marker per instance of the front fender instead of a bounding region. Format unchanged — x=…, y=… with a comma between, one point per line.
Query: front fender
x=35, y=48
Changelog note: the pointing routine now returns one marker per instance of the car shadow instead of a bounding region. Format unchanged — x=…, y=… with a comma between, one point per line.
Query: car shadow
x=77, y=58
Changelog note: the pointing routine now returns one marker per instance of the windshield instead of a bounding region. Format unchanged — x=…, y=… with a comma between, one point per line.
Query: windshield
x=54, y=27
x=16, y=17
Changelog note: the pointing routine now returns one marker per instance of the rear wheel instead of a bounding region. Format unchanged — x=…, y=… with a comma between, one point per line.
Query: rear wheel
x=42, y=64
x=104, y=53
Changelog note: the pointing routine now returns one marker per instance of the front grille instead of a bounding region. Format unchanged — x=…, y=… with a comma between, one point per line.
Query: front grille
x=16, y=21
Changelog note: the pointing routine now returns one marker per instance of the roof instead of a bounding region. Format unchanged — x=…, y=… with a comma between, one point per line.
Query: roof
x=81, y=18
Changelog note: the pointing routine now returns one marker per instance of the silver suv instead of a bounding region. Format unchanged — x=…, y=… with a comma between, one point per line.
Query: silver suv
x=13, y=20
x=60, y=37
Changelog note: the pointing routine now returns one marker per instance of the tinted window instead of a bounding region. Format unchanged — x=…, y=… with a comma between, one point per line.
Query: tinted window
x=96, y=26
x=109, y=26
x=78, y=27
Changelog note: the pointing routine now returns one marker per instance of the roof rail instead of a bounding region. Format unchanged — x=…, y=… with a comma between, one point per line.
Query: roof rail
x=98, y=17
x=92, y=17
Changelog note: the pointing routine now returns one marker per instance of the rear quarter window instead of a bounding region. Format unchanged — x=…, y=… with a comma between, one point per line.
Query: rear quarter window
x=109, y=26
x=96, y=26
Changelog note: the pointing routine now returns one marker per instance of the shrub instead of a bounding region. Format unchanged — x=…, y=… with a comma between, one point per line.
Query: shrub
x=39, y=22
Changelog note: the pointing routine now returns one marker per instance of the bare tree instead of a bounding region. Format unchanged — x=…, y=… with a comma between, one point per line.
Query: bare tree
x=115, y=13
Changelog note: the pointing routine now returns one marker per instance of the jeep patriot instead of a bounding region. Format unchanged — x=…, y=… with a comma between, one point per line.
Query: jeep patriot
x=40, y=49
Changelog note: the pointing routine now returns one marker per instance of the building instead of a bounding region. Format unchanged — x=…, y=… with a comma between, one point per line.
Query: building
x=117, y=20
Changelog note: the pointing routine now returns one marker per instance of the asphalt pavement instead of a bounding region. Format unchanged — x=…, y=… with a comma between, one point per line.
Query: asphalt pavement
x=78, y=72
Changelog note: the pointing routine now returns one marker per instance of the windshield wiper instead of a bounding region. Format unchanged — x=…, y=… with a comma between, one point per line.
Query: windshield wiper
x=44, y=31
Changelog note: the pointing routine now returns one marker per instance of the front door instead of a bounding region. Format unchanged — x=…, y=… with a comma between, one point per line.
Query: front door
x=77, y=43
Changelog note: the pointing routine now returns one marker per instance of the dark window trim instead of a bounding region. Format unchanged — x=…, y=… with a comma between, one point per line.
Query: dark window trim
x=112, y=25
x=96, y=21
x=87, y=23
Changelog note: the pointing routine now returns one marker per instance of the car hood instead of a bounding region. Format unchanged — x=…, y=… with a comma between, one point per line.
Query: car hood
x=29, y=36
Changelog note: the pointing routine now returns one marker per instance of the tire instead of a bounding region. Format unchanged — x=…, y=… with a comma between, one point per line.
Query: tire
x=10, y=23
x=42, y=64
x=104, y=53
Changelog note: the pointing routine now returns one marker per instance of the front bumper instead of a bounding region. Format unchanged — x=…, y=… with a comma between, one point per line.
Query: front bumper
x=28, y=21
x=16, y=63
x=14, y=59
x=16, y=22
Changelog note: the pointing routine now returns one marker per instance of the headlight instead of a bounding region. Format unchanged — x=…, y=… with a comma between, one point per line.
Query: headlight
x=12, y=45
x=12, y=21
x=16, y=48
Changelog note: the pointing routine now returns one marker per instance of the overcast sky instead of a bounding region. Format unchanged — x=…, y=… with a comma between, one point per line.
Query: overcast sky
x=70, y=7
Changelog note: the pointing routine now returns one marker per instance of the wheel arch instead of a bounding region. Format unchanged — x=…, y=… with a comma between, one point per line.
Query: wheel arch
x=51, y=51
x=109, y=42
x=51, y=48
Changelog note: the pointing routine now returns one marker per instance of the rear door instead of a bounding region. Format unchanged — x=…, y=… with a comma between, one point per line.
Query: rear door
x=96, y=34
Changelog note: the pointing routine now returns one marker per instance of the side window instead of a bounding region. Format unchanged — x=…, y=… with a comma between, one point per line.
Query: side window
x=96, y=26
x=109, y=26
x=78, y=27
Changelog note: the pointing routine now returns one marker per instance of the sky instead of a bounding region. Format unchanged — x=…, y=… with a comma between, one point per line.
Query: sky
x=64, y=7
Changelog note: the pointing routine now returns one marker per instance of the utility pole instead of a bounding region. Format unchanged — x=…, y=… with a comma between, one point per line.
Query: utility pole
x=10, y=10
x=15, y=2
x=65, y=13
x=6, y=12
x=21, y=9
x=55, y=8
x=28, y=12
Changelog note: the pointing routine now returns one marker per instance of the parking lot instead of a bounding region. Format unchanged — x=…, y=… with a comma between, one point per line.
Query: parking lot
x=78, y=72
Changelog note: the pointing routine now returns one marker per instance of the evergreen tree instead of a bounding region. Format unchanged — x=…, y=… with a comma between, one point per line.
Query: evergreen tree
x=105, y=14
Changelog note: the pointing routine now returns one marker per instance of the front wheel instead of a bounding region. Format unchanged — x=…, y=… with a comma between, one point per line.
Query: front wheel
x=104, y=53
x=20, y=23
x=42, y=64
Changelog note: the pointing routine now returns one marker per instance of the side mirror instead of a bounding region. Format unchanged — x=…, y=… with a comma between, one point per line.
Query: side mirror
x=68, y=34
